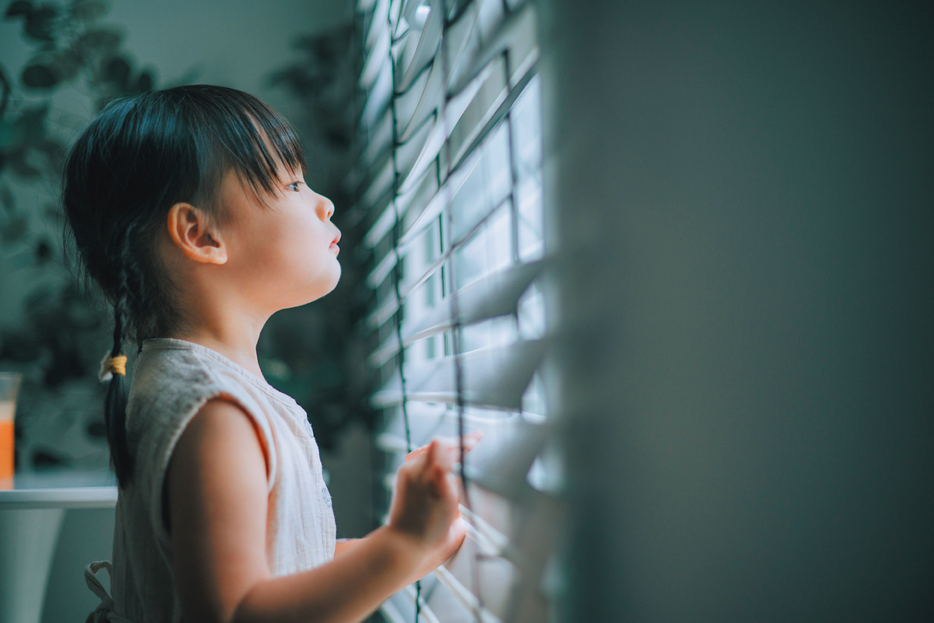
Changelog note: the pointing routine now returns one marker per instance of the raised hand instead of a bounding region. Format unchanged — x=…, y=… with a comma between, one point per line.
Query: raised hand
x=470, y=441
x=424, y=506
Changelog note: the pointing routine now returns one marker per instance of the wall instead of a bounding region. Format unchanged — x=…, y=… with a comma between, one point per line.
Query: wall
x=742, y=199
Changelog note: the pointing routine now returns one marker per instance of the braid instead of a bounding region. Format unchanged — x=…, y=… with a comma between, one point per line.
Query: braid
x=116, y=401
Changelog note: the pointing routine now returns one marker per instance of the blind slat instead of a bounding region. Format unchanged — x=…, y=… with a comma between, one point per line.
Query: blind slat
x=463, y=150
x=410, y=205
x=421, y=220
x=471, y=30
x=409, y=7
x=378, y=98
x=410, y=284
x=514, y=32
x=377, y=23
x=428, y=420
x=496, y=573
x=380, y=140
x=383, y=313
x=463, y=165
x=495, y=295
x=374, y=63
x=496, y=539
x=493, y=377
x=442, y=602
x=437, y=136
x=409, y=153
x=428, y=41
x=424, y=609
x=437, y=202
x=381, y=182
x=447, y=579
x=418, y=103
x=501, y=467
x=388, y=610
x=492, y=296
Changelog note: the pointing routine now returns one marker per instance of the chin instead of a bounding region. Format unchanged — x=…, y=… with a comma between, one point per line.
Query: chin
x=336, y=278
x=323, y=286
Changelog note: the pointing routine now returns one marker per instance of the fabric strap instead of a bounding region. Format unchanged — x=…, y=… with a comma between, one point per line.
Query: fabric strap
x=104, y=612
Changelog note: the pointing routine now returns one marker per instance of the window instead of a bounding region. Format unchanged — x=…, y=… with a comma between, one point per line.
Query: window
x=451, y=181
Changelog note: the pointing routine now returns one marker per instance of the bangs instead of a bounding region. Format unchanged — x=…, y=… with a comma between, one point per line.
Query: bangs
x=238, y=131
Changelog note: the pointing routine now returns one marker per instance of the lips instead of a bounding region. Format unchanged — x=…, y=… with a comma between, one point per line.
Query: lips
x=335, y=241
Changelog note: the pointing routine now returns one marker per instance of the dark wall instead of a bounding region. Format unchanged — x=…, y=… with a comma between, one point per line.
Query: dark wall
x=743, y=197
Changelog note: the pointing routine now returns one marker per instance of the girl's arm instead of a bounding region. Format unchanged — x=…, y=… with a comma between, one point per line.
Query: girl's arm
x=344, y=545
x=216, y=490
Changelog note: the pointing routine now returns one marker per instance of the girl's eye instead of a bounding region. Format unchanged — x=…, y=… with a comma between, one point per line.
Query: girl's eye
x=294, y=186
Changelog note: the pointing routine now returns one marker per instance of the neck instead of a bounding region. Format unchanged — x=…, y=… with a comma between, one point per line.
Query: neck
x=232, y=332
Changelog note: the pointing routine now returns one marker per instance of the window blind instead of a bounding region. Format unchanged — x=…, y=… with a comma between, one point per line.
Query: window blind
x=450, y=176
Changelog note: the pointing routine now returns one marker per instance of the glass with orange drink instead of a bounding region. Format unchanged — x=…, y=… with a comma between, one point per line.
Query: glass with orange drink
x=9, y=385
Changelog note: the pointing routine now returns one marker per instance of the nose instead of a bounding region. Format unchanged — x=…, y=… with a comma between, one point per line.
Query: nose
x=325, y=208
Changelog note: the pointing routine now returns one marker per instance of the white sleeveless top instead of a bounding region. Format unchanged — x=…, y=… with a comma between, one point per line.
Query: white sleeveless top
x=172, y=379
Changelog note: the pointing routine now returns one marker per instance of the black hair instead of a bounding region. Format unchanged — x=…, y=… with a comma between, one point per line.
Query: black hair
x=135, y=161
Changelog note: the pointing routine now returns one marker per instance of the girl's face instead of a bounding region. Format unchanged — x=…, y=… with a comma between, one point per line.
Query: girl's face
x=283, y=255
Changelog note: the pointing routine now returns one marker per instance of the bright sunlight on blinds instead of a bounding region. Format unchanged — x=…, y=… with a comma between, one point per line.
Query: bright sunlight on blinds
x=451, y=178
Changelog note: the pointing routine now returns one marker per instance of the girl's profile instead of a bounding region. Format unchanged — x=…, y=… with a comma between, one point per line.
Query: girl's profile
x=189, y=209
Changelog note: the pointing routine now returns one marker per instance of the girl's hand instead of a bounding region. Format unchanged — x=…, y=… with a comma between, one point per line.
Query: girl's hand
x=424, y=507
x=470, y=441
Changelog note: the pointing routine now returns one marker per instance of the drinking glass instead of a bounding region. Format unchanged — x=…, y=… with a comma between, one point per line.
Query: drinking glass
x=9, y=386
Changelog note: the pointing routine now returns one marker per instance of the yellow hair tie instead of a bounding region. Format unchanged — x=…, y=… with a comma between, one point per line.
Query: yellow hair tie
x=112, y=365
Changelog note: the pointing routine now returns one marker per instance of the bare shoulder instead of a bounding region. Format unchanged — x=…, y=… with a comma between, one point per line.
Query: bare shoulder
x=220, y=431
x=216, y=490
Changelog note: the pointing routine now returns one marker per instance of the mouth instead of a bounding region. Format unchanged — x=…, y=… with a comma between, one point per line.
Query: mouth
x=335, y=241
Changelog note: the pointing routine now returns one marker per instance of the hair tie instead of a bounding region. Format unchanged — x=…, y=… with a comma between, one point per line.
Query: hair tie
x=112, y=365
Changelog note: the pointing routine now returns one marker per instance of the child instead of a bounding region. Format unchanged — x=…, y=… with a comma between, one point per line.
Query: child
x=189, y=209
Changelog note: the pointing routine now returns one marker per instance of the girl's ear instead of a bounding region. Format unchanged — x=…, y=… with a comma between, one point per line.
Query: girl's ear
x=195, y=234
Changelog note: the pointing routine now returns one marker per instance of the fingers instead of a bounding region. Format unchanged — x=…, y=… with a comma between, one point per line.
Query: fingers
x=414, y=453
x=470, y=441
x=430, y=464
x=434, y=462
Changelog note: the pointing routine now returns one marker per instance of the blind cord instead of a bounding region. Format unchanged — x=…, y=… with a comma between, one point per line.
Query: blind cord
x=455, y=311
x=397, y=273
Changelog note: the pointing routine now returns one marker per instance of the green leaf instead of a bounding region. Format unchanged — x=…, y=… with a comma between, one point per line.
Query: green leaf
x=31, y=123
x=54, y=212
x=39, y=77
x=54, y=151
x=87, y=10
x=14, y=230
x=40, y=23
x=9, y=134
x=66, y=64
x=20, y=7
x=6, y=199
x=117, y=70
x=43, y=252
x=98, y=40
x=145, y=82
x=17, y=162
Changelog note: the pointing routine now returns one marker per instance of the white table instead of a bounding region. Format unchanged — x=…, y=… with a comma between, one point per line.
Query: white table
x=31, y=515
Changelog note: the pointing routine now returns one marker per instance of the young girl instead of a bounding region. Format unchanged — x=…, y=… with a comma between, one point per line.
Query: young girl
x=190, y=210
